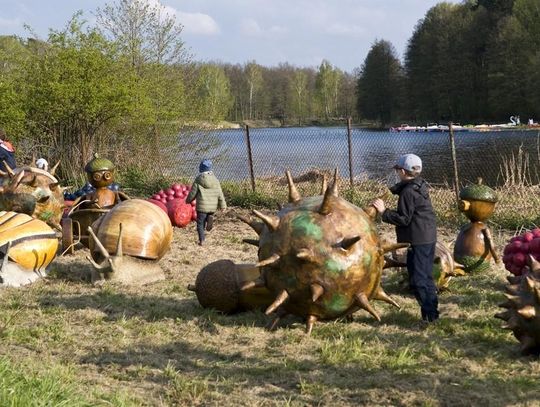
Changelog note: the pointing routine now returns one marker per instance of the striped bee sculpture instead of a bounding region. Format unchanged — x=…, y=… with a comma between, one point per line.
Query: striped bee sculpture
x=27, y=247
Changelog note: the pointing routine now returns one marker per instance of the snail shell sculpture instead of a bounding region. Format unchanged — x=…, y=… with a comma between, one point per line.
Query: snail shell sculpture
x=126, y=243
x=522, y=314
x=33, y=191
x=320, y=257
x=28, y=246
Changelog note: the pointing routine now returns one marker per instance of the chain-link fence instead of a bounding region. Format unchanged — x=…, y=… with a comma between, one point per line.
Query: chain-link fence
x=251, y=161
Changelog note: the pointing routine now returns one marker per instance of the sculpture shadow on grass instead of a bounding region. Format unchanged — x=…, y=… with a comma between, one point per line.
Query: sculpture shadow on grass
x=276, y=376
x=121, y=306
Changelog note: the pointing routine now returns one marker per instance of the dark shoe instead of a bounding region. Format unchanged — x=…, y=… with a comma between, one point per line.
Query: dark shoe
x=200, y=243
x=209, y=223
x=431, y=318
x=427, y=323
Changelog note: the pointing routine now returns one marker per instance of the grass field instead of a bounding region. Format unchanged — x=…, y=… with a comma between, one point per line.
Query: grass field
x=64, y=342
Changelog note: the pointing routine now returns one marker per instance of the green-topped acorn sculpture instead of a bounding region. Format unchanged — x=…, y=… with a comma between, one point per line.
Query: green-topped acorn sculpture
x=474, y=246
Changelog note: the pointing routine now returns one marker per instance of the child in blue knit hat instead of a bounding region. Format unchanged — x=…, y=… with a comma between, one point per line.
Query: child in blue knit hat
x=206, y=189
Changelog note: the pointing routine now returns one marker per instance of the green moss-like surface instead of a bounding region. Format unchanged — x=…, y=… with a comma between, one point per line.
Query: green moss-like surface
x=338, y=303
x=304, y=225
x=437, y=270
x=478, y=192
x=99, y=164
x=334, y=267
x=474, y=264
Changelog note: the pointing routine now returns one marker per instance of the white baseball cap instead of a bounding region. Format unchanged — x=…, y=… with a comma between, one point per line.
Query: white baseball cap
x=42, y=164
x=409, y=162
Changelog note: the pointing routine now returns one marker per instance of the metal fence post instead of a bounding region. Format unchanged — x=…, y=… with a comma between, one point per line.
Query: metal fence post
x=349, y=131
x=454, y=159
x=250, y=158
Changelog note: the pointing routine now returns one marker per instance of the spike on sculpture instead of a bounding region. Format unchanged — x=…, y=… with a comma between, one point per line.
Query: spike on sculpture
x=32, y=191
x=522, y=308
x=320, y=257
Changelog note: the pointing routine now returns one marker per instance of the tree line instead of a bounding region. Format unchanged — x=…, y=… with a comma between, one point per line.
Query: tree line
x=477, y=61
x=128, y=83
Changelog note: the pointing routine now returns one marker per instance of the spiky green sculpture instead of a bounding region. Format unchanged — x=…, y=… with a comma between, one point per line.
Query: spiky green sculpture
x=320, y=256
x=522, y=313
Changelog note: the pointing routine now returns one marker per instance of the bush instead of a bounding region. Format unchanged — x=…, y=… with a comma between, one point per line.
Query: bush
x=137, y=182
x=240, y=194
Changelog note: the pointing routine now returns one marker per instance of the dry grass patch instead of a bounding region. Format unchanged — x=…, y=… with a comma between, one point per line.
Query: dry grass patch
x=74, y=344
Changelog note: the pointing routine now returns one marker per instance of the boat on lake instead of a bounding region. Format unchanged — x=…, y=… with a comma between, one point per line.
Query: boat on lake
x=407, y=128
x=443, y=127
x=514, y=124
x=433, y=127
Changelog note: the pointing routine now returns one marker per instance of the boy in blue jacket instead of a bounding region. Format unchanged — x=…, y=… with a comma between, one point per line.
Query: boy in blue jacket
x=415, y=224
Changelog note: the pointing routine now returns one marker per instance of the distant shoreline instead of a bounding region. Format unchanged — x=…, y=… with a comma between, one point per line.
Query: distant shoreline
x=275, y=123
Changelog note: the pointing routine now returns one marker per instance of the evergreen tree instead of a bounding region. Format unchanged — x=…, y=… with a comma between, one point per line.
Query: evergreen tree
x=380, y=83
x=515, y=67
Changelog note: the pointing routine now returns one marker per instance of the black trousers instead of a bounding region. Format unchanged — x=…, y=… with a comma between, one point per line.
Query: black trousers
x=202, y=218
x=420, y=268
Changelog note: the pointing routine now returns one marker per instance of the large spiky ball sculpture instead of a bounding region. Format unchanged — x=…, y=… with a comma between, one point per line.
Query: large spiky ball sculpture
x=522, y=313
x=320, y=256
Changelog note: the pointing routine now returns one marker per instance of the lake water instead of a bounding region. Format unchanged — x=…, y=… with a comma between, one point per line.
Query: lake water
x=479, y=154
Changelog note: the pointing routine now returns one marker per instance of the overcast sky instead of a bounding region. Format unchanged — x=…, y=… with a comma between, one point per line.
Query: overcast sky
x=300, y=32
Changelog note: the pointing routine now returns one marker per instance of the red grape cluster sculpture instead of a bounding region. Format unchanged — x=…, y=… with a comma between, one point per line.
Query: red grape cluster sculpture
x=517, y=251
x=173, y=201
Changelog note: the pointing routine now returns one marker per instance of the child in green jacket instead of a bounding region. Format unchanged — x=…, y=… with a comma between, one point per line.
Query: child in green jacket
x=206, y=189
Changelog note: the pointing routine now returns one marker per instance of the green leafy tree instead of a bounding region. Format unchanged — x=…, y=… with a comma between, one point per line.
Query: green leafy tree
x=254, y=80
x=275, y=92
x=13, y=54
x=76, y=88
x=347, y=98
x=150, y=40
x=214, y=92
x=299, y=91
x=454, y=58
x=380, y=83
x=235, y=74
x=327, y=87
x=440, y=65
x=146, y=33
